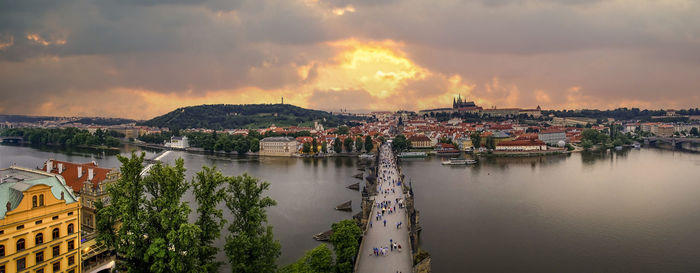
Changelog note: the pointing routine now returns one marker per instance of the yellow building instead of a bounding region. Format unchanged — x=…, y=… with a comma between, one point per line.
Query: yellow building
x=39, y=223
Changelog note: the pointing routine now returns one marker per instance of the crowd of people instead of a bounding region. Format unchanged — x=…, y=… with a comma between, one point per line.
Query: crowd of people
x=388, y=202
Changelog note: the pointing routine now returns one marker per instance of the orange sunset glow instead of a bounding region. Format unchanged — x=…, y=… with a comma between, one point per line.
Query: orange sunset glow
x=357, y=56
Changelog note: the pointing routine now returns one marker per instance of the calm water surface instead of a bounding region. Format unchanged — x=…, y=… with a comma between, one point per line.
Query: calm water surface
x=630, y=211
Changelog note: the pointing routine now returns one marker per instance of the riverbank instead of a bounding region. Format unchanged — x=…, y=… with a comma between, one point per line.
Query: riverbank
x=523, y=153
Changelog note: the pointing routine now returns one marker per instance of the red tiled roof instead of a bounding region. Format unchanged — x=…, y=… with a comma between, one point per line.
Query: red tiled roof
x=70, y=173
x=419, y=138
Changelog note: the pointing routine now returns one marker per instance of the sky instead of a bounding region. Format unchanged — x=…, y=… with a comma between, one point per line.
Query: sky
x=143, y=58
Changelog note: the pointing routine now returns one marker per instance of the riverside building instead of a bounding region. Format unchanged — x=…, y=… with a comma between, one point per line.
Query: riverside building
x=278, y=146
x=39, y=223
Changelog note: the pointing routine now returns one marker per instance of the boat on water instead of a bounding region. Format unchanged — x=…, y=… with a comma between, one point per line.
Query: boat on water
x=618, y=148
x=637, y=145
x=413, y=155
x=457, y=161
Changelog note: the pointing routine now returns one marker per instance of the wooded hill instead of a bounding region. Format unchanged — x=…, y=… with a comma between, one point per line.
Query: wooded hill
x=229, y=116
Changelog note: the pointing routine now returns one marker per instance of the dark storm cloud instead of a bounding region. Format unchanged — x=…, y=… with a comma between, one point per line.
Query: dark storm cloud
x=613, y=51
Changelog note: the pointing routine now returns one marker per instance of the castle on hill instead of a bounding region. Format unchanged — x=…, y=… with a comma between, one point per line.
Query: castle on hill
x=458, y=103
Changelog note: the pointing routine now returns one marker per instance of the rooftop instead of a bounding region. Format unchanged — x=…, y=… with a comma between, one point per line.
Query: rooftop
x=278, y=139
x=16, y=180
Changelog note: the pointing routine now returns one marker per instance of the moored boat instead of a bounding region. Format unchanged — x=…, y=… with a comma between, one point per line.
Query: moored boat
x=457, y=161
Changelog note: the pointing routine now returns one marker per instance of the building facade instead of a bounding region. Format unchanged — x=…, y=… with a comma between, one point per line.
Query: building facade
x=420, y=141
x=39, y=224
x=86, y=180
x=553, y=136
x=278, y=146
x=178, y=142
x=521, y=145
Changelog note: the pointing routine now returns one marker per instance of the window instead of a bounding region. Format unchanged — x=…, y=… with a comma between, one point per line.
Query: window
x=2, y=268
x=21, y=264
x=71, y=271
x=39, y=256
x=2, y=250
x=38, y=222
x=57, y=267
x=34, y=202
x=55, y=234
x=70, y=228
x=39, y=271
x=54, y=218
x=41, y=200
x=56, y=250
x=71, y=260
x=20, y=244
x=39, y=238
x=20, y=227
x=71, y=245
x=70, y=213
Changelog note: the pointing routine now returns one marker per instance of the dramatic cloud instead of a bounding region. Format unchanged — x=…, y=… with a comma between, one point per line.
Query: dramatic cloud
x=139, y=59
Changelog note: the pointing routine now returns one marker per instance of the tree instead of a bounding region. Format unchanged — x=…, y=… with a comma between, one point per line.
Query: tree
x=694, y=131
x=317, y=260
x=314, y=146
x=337, y=146
x=342, y=130
x=254, y=145
x=324, y=147
x=347, y=143
x=250, y=247
x=254, y=134
x=586, y=144
x=476, y=139
x=154, y=234
x=400, y=143
x=345, y=241
x=209, y=192
x=127, y=195
x=358, y=144
x=306, y=148
x=490, y=143
x=172, y=241
x=242, y=145
x=368, y=144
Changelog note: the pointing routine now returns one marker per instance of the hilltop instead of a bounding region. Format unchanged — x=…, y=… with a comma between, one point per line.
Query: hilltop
x=226, y=116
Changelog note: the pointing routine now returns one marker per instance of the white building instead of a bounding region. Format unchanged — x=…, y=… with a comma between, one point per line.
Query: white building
x=521, y=145
x=552, y=136
x=278, y=146
x=178, y=143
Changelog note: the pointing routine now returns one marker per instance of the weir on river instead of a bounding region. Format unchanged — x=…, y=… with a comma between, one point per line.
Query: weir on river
x=378, y=233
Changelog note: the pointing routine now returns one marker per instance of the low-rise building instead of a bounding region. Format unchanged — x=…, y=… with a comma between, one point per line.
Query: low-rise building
x=39, y=223
x=278, y=146
x=86, y=180
x=177, y=142
x=552, y=136
x=665, y=130
x=420, y=141
x=522, y=145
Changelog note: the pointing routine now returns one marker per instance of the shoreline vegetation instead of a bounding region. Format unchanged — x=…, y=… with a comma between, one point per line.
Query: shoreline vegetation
x=67, y=137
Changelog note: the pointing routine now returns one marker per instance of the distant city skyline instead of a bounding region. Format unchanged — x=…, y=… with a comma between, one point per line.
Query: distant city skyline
x=134, y=59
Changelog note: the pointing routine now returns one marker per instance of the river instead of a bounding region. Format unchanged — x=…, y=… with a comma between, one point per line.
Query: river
x=627, y=211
